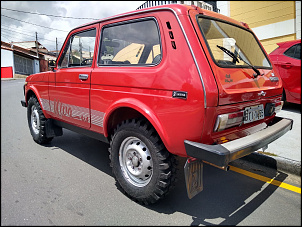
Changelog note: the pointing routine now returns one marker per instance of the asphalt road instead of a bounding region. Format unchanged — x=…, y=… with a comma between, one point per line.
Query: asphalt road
x=69, y=182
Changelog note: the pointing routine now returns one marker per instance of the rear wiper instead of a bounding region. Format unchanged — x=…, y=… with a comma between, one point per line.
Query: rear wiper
x=253, y=67
x=232, y=55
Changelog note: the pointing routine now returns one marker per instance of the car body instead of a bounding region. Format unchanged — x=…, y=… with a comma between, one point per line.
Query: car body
x=287, y=59
x=162, y=83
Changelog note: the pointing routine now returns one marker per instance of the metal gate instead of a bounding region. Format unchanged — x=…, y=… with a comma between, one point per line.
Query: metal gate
x=23, y=65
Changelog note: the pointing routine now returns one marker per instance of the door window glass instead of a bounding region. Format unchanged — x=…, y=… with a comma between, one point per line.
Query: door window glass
x=134, y=43
x=298, y=51
x=290, y=52
x=79, y=50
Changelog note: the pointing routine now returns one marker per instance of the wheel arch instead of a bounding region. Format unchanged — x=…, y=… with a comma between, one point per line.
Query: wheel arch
x=32, y=91
x=128, y=109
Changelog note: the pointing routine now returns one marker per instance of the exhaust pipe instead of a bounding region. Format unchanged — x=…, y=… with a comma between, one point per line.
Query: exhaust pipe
x=225, y=168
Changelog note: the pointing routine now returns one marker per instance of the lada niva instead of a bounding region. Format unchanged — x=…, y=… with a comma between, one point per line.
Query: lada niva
x=156, y=83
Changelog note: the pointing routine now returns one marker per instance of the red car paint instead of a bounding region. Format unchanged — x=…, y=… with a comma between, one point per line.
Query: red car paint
x=183, y=96
x=289, y=68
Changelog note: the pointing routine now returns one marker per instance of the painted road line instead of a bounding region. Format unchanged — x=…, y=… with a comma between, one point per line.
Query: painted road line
x=267, y=180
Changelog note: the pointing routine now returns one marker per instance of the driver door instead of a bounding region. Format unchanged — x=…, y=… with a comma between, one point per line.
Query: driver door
x=70, y=95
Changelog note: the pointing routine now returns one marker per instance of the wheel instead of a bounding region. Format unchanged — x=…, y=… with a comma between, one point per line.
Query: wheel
x=142, y=166
x=283, y=96
x=36, y=121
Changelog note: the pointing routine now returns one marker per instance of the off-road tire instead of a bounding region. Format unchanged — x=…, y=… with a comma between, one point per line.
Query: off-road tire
x=158, y=166
x=283, y=96
x=36, y=121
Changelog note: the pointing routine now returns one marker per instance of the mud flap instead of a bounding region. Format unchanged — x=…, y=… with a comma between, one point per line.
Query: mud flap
x=52, y=130
x=193, y=171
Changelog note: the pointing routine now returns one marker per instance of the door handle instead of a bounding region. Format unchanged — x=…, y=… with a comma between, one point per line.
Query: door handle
x=83, y=76
x=286, y=65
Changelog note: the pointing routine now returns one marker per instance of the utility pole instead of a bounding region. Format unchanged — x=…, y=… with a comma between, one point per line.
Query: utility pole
x=37, y=44
x=56, y=47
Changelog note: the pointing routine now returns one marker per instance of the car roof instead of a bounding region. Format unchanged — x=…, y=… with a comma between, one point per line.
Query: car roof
x=289, y=43
x=179, y=9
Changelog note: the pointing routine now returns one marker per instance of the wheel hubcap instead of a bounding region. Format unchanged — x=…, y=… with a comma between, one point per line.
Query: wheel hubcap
x=135, y=161
x=35, y=120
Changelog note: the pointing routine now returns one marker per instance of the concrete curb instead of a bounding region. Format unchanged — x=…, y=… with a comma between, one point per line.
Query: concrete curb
x=4, y=79
x=275, y=162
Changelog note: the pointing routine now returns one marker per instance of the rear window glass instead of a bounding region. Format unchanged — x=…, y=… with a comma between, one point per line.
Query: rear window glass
x=132, y=43
x=231, y=45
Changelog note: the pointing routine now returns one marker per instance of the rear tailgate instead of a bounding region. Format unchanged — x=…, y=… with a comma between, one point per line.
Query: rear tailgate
x=238, y=61
x=239, y=85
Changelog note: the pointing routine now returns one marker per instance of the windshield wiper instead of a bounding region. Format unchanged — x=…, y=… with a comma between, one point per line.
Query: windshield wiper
x=232, y=55
x=253, y=67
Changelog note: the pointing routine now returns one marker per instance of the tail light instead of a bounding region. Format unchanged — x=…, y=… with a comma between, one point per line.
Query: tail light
x=225, y=121
x=229, y=120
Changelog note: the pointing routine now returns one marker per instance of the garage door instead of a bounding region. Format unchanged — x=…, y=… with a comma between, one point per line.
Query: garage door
x=23, y=65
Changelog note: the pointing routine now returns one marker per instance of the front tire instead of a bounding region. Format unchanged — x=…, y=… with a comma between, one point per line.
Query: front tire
x=36, y=121
x=141, y=164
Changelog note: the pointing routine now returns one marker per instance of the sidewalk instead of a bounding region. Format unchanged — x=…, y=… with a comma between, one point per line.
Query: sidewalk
x=284, y=153
x=18, y=78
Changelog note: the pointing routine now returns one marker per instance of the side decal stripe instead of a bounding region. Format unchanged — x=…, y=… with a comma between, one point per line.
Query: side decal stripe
x=61, y=109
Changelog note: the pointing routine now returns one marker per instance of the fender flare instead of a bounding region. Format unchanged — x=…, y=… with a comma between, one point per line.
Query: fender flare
x=143, y=109
x=35, y=91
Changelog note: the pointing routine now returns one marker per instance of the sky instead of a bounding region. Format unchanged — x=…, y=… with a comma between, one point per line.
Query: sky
x=22, y=26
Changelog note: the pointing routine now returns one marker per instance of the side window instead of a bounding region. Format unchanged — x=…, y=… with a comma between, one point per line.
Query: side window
x=132, y=43
x=298, y=51
x=294, y=51
x=79, y=50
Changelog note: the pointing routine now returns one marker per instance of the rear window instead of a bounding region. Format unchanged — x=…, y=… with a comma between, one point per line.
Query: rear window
x=131, y=43
x=231, y=45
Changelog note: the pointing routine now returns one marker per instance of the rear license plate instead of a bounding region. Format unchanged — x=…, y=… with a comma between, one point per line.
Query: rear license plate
x=193, y=177
x=253, y=113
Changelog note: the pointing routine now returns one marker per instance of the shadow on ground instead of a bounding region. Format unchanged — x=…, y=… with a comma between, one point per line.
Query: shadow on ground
x=292, y=107
x=227, y=198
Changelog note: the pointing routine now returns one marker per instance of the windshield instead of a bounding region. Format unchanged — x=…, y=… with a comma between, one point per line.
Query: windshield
x=232, y=46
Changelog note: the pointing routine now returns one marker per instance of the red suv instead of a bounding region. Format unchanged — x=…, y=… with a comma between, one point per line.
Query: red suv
x=287, y=59
x=156, y=83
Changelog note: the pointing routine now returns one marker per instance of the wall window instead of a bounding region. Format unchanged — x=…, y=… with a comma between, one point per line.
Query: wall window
x=79, y=50
x=134, y=43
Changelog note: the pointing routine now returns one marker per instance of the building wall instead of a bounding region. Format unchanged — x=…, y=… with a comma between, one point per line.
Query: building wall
x=224, y=7
x=7, y=59
x=271, y=21
x=298, y=20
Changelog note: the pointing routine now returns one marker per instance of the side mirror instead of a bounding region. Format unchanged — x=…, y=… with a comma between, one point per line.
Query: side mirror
x=51, y=64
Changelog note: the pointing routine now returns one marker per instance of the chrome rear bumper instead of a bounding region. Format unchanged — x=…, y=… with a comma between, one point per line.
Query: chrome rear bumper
x=221, y=154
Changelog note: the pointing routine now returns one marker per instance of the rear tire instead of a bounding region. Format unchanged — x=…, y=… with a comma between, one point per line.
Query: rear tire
x=36, y=121
x=141, y=164
x=283, y=96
